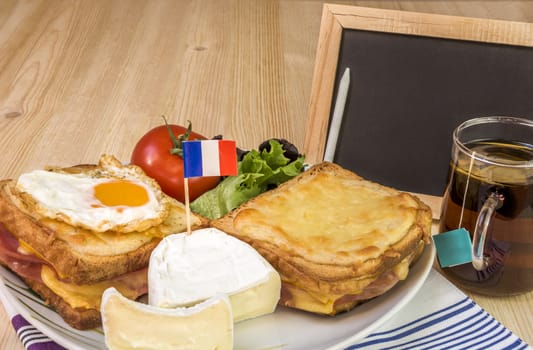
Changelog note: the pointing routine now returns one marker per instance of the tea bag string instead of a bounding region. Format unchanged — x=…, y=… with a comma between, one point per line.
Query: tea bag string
x=466, y=188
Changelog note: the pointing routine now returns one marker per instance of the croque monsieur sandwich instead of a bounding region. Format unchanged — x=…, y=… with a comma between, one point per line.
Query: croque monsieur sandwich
x=335, y=238
x=70, y=233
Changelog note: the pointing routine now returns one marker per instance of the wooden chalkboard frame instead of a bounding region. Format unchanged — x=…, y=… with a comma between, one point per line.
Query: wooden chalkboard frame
x=337, y=18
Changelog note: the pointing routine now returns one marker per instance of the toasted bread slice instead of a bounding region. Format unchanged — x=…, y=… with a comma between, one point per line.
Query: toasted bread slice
x=78, y=254
x=331, y=233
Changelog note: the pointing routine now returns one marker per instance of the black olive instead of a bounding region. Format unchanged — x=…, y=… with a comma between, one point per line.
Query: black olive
x=241, y=153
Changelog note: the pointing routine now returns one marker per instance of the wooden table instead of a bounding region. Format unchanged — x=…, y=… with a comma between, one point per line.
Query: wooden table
x=82, y=78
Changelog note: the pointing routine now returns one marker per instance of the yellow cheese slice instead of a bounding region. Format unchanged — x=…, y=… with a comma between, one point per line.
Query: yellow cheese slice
x=90, y=295
x=25, y=248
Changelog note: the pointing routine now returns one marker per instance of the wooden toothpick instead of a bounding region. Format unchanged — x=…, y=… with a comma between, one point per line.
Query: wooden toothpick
x=187, y=205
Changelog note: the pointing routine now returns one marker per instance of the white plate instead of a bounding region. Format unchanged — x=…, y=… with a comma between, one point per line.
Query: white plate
x=285, y=329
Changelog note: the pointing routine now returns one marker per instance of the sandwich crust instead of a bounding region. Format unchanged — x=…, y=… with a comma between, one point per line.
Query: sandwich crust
x=331, y=234
x=78, y=254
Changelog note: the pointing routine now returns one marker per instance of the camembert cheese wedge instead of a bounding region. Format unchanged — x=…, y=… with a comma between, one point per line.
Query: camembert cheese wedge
x=186, y=269
x=129, y=324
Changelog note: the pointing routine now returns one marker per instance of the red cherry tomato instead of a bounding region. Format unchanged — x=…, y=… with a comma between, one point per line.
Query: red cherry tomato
x=152, y=154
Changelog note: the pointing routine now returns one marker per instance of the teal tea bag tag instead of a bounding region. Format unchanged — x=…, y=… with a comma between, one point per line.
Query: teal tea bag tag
x=453, y=247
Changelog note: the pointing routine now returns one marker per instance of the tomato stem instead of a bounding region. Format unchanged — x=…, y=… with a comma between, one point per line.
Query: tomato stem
x=177, y=148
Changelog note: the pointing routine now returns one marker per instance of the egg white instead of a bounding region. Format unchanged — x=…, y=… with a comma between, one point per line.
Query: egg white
x=70, y=198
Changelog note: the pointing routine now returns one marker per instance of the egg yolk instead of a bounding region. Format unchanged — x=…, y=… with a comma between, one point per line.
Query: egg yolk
x=117, y=193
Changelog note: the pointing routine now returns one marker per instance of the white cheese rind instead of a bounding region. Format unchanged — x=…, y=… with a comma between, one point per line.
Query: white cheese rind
x=185, y=269
x=129, y=324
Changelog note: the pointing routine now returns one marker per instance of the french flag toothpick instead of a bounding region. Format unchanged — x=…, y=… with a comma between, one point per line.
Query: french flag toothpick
x=209, y=158
x=206, y=158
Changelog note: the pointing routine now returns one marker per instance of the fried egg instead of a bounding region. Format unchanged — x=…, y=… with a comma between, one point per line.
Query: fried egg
x=109, y=197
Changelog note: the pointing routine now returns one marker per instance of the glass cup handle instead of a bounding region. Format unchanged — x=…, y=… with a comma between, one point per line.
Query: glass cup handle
x=492, y=203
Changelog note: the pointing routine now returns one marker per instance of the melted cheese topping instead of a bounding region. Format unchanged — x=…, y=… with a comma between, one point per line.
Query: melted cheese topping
x=402, y=269
x=90, y=296
x=324, y=303
x=327, y=218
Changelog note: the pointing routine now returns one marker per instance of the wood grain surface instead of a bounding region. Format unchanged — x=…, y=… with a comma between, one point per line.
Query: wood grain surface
x=82, y=78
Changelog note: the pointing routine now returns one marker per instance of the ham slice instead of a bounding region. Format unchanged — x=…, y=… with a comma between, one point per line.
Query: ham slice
x=24, y=264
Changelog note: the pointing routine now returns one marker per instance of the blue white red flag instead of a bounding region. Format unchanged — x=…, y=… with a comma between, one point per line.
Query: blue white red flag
x=209, y=158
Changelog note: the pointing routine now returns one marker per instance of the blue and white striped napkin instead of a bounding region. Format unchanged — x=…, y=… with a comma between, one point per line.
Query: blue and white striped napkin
x=31, y=337
x=440, y=316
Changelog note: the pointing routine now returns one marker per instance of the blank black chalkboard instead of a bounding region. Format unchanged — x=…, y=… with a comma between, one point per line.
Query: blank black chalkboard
x=399, y=126
x=407, y=94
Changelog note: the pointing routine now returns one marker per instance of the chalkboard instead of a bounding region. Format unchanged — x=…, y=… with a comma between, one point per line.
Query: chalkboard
x=413, y=78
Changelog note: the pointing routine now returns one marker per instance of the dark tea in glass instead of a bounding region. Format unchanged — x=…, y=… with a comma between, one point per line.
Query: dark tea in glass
x=490, y=193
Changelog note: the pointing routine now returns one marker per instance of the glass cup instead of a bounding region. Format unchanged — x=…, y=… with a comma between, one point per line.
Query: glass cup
x=490, y=194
